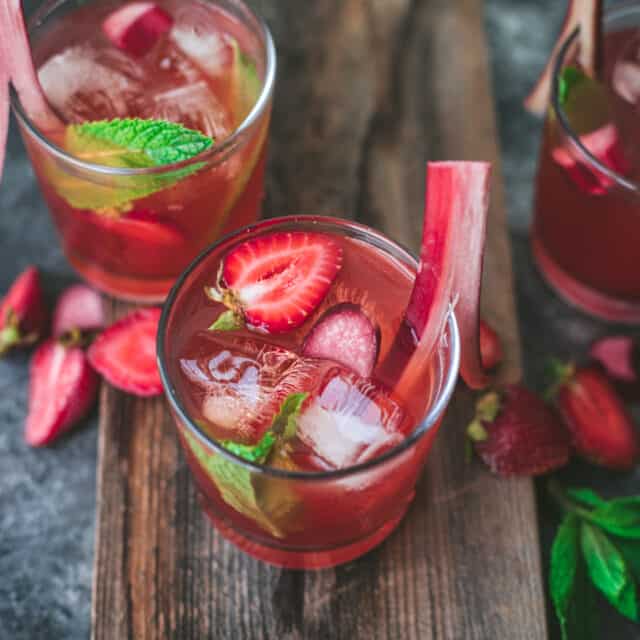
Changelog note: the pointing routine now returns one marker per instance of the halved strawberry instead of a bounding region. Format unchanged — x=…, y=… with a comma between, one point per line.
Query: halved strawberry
x=125, y=353
x=79, y=308
x=345, y=335
x=602, y=430
x=136, y=27
x=62, y=390
x=23, y=313
x=148, y=230
x=275, y=281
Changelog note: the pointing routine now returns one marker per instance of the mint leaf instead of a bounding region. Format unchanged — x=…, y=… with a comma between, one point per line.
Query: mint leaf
x=268, y=501
x=565, y=556
x=286, y=420
x=129, y=143
x=608, y=570
x=569, y=78
x=630, y=550
x=585, y=496
x=227, y=321
x=620, y=517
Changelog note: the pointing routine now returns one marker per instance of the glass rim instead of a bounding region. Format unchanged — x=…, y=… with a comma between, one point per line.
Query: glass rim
x=436, y=410
x=207, y=156
x=558, y=65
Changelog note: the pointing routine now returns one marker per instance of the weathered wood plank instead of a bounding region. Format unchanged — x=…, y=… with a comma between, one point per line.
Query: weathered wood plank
x=367, y=91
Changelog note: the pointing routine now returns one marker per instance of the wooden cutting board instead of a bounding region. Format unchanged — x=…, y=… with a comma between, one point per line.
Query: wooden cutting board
x=367, y=91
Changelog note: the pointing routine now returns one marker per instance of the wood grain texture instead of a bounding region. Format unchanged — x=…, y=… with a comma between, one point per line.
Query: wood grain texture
x=367, y=91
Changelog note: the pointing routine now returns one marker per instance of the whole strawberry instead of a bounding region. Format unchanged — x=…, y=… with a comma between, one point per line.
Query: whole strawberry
x=23, y=313
x=516, y=434
x=601, y=428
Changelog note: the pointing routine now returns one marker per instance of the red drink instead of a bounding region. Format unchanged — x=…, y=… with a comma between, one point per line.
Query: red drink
x=211, y=70
x=586, y=230
x=341, y=481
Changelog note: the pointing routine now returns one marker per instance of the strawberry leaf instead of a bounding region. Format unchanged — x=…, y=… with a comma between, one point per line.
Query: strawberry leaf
x=620, y=517
x=129, y=143
x=227, y=321
x=608, y=570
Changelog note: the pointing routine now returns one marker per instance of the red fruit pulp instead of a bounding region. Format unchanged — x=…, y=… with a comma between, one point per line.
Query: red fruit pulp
x=233, y=383
x=586, y=230
x=205, y=73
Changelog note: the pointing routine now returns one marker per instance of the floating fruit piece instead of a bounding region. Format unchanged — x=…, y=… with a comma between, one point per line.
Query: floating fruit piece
x=345, y=335
x=125, y=353
x=274, y=282
x=605, y=145
x=602, y=430
x=490, y=347
x=23, y=313
x=62, y=390
x=79, y=308
x=587, y=16
x=136, y=27
x=515, y=433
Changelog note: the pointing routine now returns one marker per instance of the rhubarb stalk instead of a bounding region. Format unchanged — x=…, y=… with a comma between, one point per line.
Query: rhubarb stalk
x=450, y=269
x=17, y=55
x=585, y=15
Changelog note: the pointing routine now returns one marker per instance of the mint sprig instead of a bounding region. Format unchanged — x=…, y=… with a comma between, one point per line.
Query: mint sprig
x=596, y=546
x=268, y=501
x=129, y=143
x=568, y=79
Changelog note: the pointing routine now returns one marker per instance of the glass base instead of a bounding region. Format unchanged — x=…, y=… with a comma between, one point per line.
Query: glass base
x=121, y=287
x=580, y=295
x=321, y=559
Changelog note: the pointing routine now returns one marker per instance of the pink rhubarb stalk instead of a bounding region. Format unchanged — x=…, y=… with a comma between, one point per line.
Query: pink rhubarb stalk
x=586, y=15
x=450, y=268
x=17, y=55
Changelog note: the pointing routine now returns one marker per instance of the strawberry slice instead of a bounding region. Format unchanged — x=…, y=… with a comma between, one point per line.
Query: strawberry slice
x=136, y=27
x=4, y=109
x=490, y=348
x=618, y=355
x=23, y=313
x=605, y=145
x=274, y=282
x=62, y=390
x=345, y=335
x=79, y=308
x=125, y=353
x=602, y=430
x=515, y=433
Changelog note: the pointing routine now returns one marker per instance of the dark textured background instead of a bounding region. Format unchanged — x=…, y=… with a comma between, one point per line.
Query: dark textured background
x=47, y=497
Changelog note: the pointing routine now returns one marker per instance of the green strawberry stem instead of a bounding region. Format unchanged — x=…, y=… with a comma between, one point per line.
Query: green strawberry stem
x=558, y=373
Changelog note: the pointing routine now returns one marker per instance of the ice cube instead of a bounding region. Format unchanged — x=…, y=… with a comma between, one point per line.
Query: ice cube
x=350, y=420
x=192, y=105
x=210, y=52
x=84, y=84
x=243, y=382
x=626, y=81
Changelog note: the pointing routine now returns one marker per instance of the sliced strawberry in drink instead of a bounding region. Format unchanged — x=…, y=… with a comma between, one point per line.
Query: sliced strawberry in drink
x=618, y=356
x=587, y=16
x=23, y=312
x=4, y=108
x=136, y=27
x=62, y=390
x=345, y=335
x=605, y=145
x=125, y=353
x=79, y=308
x=490, y=347
x=274, y=282
x=516, y=434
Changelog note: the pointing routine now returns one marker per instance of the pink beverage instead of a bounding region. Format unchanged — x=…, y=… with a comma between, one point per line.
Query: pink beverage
x=586, y=230
x=208, y=66
x=315, y=372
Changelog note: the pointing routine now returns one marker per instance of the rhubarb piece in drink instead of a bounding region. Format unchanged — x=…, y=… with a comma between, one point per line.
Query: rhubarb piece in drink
x=305, y=445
